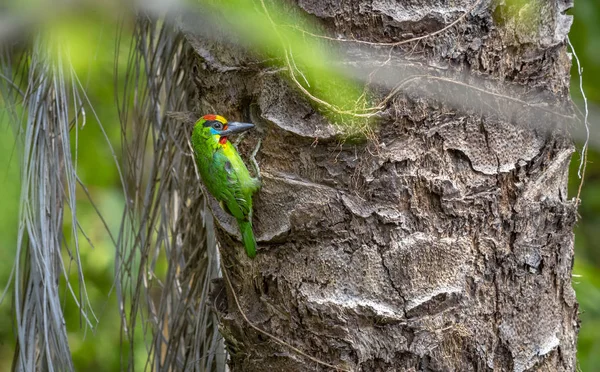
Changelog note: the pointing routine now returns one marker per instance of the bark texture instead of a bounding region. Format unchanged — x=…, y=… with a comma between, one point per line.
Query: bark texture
x=442, y=244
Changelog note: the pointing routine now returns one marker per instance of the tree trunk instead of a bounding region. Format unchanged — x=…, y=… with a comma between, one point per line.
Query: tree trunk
x=443, y=243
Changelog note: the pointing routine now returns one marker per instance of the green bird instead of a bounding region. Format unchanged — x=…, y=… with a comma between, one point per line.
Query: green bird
x=224, y=173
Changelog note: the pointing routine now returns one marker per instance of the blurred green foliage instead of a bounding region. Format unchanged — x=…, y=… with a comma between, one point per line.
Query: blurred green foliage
x=281, y=32
x=90, y=42
x=9, y=211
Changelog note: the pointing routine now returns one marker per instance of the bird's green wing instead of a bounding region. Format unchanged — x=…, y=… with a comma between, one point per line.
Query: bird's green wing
x=228, y=186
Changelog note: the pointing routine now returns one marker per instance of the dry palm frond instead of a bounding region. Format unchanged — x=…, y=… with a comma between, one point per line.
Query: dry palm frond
x=166, y=217
x=40, y=97
x=165, y=222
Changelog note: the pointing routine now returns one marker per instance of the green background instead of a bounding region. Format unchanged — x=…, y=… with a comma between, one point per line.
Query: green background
x=92, y=48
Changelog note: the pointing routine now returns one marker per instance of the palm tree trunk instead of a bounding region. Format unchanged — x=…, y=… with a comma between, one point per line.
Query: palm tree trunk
x=444, y=241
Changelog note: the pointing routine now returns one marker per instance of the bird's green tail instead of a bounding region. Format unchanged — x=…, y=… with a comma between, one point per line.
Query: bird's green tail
x=248, y=237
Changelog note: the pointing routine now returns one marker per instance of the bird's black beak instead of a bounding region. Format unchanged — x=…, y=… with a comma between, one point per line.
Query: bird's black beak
x=235, y=127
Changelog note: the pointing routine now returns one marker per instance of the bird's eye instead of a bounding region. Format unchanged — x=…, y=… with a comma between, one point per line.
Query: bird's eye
x=218, y=125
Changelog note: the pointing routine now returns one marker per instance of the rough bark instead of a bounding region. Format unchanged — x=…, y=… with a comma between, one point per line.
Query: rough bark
x=444, y=243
